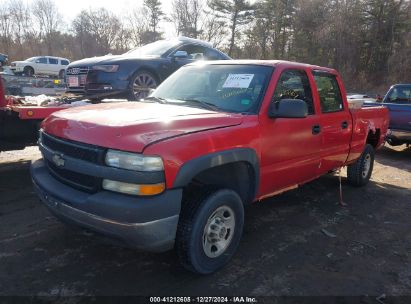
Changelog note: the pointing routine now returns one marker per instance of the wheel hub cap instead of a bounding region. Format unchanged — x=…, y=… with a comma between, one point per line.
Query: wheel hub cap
x=218, y=232
x=142, y=85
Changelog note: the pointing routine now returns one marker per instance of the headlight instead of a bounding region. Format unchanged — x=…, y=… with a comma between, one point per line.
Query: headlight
x=133, y=189
x=132, y=161
x=106, y=68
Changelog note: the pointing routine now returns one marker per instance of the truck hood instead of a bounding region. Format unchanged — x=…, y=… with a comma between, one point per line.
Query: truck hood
x=131, y=126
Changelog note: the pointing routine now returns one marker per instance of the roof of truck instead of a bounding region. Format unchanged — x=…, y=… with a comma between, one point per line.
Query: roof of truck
x=274, y=63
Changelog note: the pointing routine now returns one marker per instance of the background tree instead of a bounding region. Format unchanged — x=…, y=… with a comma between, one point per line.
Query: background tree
x=155, y=14
x=137, y=22
x=187, y=15
x=235, y=12
x=21, y=24
x=48, y=20
x=6, y=30
x=213, y=28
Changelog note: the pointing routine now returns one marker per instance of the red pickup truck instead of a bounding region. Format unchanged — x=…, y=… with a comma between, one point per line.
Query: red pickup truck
x=177, y=168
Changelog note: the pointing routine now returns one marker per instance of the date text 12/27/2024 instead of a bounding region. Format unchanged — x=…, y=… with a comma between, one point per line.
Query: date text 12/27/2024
x=203, y=300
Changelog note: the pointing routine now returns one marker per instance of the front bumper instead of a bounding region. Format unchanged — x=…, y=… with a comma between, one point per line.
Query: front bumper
x=144, y=223
x=399, y=135
x=101, y=85
x=16, y=68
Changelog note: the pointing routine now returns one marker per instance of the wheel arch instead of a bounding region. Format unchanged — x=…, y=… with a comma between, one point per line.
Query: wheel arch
x=373, y=137
x=236, y=169
x=29, y=66
x=146, y=68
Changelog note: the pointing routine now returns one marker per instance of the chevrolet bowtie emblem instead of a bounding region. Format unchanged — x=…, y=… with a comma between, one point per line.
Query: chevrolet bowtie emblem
x=58, y=160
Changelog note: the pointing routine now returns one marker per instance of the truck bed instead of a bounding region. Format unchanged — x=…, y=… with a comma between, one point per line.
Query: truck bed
x=374, y=119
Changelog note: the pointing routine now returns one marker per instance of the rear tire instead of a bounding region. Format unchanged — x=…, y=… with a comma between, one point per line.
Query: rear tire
x=28, y=71
x=359, y=173
x=209, y=230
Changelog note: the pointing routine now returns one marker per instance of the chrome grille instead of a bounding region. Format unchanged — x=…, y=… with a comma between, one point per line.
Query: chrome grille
x=76, y=150
x=77, y=70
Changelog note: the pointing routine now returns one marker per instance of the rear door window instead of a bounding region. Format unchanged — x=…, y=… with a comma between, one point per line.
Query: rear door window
x=329, y=92
x=53, y=61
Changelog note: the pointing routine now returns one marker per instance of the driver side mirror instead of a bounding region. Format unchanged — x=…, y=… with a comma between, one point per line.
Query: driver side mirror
x=180, y=54
x=288, y=108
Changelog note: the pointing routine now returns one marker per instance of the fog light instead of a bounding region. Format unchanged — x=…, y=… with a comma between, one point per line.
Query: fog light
x=133, y=189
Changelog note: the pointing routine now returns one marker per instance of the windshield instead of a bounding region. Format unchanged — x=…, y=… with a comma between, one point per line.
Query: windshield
x=231, y=88
x=400, y=94
x=32, y=59
x=157, y=48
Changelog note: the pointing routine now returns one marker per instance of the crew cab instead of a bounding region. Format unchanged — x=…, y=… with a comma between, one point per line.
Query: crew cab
x=177, y=168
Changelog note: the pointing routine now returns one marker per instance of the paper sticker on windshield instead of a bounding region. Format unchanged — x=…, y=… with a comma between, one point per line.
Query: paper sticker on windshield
x=241, y=81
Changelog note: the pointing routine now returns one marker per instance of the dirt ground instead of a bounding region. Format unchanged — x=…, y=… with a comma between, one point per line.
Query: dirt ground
x=299, y=243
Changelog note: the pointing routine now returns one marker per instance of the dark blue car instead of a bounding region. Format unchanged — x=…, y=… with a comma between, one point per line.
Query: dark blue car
x=133, y=74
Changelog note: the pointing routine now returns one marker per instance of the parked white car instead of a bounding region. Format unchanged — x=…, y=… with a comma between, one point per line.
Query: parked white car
x=41, y=65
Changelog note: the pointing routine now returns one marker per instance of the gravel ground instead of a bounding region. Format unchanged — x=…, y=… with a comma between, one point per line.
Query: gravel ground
x=299, y=243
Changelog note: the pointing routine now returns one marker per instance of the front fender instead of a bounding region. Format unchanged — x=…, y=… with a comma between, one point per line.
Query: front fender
x=193, y=167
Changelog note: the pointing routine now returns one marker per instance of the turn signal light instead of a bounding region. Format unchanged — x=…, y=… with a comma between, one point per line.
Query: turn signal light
x=152, y=189
x=133, y=189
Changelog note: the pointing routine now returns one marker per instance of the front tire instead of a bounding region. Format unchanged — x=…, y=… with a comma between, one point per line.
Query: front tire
x=210, y=229
x=359, y=173
x=28, y=71
x=141, y=84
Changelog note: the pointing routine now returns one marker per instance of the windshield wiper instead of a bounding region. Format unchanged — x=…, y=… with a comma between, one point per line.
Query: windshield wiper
x=156, y=99
x=204, y=104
